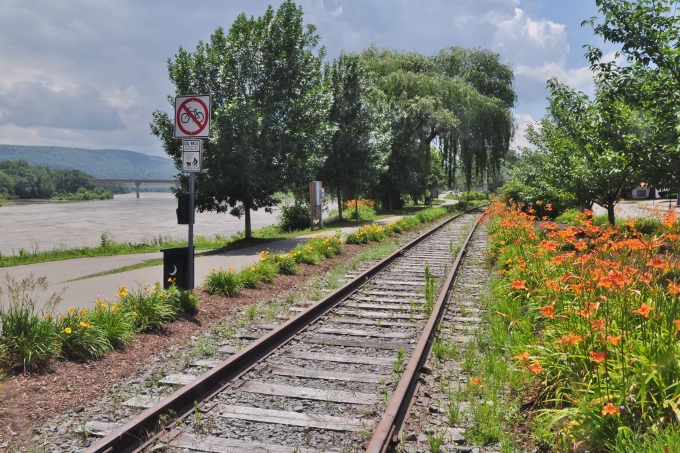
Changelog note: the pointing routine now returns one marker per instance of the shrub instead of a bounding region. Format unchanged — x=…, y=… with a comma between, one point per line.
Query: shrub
x=326, y=246
x=249, y=277
x=429, y=215
x=223, y=283
x=150, y=307
x=117, y=324
x=294, y=217
x=285, y=263
x=183, y=301
x=359, y=209
x=266, y=271
x=81, y=339
x=306, y=254
x=27, y=338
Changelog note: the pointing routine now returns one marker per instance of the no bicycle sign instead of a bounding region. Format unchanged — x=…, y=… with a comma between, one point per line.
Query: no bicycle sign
x=192, y=116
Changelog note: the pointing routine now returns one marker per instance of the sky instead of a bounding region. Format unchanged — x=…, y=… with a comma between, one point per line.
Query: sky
x=89, y=73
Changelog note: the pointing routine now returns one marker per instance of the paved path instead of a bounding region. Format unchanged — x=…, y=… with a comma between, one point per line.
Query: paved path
x=84, y=293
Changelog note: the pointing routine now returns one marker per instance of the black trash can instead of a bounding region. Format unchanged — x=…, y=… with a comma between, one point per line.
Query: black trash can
x=176, y=267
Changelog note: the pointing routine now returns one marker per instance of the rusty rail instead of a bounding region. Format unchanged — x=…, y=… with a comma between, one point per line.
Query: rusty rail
x=387, y=430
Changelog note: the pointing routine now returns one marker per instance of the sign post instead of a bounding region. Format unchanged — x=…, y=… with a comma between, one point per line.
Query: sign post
x=192, y=162
x=192, y=122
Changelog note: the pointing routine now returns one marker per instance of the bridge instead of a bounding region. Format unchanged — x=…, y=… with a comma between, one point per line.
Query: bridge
x=136, y=182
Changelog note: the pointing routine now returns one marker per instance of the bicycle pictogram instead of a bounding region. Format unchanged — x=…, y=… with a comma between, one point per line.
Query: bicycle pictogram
x=185, y=117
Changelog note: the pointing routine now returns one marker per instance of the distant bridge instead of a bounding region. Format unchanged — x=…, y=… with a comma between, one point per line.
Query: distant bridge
x=136, y=182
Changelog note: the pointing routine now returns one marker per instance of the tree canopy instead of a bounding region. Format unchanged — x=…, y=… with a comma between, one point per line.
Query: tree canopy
x=268, y=110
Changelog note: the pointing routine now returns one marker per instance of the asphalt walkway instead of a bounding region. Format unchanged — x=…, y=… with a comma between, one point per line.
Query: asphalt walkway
x=62, y=275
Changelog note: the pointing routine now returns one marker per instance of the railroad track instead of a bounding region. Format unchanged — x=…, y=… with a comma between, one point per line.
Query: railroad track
x=337, y=377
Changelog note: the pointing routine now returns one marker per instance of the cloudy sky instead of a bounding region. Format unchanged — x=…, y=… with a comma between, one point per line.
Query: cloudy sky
x=88, y=73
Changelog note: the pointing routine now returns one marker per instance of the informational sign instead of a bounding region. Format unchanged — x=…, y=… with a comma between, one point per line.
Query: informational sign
x=192, y=116
x=192, y=156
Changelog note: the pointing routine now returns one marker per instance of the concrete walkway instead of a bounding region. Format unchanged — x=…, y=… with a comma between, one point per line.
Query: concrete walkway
x=84, y=293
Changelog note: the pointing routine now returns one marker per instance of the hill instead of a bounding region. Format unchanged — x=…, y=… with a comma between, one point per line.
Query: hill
x=102, y=163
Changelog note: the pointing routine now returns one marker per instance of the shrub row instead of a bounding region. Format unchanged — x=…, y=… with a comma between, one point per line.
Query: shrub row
x=29, y=338
x=230, y=283
x=376, y=233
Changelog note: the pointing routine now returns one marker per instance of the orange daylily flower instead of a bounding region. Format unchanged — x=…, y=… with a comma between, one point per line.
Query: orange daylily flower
x=523, y=357
x=657, y=263
x=614, y=339
x=597, y=324
x=570, y=338
x=548, y=311
x=677, y=323
x=552, y=285
x=673, y=288
x=476, y=381
x=535, y=368
x=597, y=357
x=610, y=409
x=518, y=284
x=644, y=310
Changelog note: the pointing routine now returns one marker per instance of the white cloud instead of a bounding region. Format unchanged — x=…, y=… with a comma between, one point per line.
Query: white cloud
x=522, y=121
x=528, y=41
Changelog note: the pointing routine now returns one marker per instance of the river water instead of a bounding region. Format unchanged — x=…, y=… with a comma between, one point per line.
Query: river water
x=45, y=225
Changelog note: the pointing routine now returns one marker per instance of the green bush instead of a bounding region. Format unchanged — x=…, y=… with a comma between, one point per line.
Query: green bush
x=266, y=271
x=429, y=215
x=285, y=263
x=294, y=217
x=183, y=301
x=223, y=283
x=27, y=338
x=116, y=323
x=150, y=308
x=81, y=339
x=249, y=278
x=306, y=254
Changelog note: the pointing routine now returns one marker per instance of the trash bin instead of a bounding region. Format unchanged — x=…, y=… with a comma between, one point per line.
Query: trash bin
x=176, y=266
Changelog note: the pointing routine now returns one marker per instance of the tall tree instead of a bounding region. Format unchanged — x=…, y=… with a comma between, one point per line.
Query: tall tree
x=649, y=34
x=268, y=110
x=355, y=149
x=451, y=97
x=598, y=142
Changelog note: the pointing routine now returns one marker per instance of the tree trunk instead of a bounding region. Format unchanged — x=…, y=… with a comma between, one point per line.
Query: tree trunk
x=249, y=230
x=339, y=205
x=610, y=213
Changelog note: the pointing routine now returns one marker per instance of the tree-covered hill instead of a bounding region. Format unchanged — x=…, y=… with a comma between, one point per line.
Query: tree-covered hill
x=102, y=163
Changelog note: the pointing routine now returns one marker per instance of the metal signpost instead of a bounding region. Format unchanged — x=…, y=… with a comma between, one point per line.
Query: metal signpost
x=192, y=122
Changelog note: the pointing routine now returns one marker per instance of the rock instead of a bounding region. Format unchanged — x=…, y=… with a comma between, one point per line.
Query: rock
x=422, y=438
x=298, y=408
x=455, y=436
x=411, y=436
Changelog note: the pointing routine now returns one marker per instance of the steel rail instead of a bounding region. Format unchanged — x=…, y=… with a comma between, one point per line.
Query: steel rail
x=397, y=409
x=134, y=434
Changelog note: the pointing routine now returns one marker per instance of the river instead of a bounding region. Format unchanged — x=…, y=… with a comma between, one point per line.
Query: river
x=41, y=226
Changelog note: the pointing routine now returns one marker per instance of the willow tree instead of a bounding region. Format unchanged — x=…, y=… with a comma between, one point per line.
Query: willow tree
x=268, y=109
x=442, y=98
x=482, y=137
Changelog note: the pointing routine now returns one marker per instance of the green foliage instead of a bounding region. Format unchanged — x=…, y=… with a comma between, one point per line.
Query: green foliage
x=117, y=324
x=83, y=194
x=150, y=306
x=81, y=339
x=223, y=283
x=266, y=271
x=286, y=263
x=357, y=149
x=294, y=217
x=27, y=338
x=429, y=289
x=268, y=110
x=249, y=277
